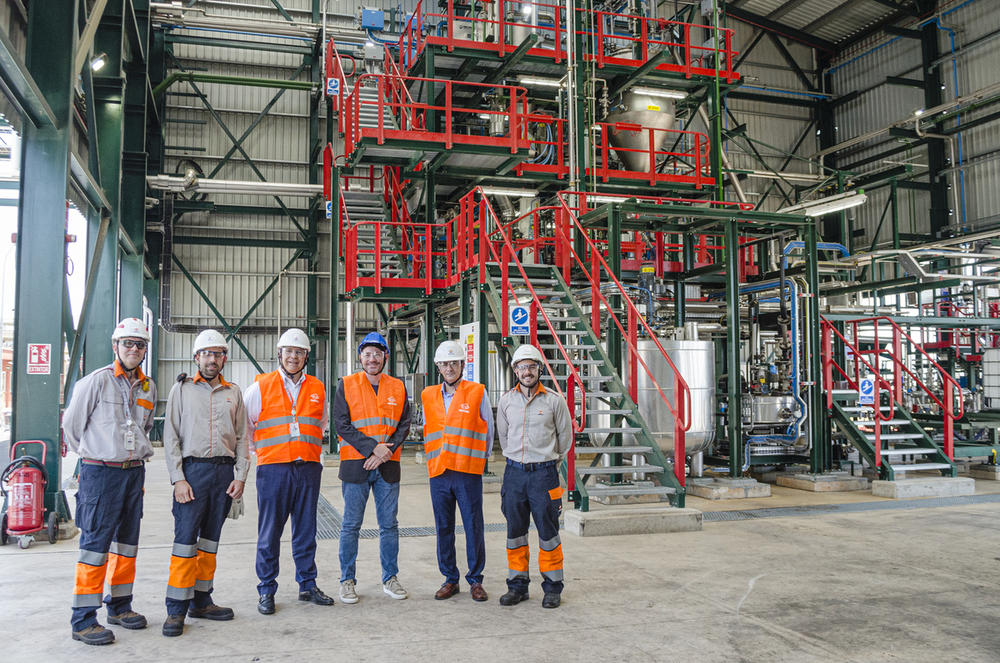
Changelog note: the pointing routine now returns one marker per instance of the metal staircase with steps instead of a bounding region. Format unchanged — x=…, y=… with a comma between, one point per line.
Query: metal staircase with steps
x=883, y=431
x=605, y=394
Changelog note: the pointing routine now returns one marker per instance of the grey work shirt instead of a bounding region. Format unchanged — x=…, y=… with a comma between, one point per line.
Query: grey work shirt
x=534, y=430
x=94, y=422
x=203, y=421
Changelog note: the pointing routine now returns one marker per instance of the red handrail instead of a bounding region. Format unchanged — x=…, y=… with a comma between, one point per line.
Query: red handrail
x=952, y=391
x=682, y=414
x=482, y=210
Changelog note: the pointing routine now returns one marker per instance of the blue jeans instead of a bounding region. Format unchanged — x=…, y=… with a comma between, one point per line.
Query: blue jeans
x=386, y=505
x=466, y=491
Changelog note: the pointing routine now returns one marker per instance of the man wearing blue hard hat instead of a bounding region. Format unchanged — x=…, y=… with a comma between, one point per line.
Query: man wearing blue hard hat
x=372, y=416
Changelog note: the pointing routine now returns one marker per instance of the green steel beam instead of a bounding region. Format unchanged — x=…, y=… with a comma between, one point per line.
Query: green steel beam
x=780, y=29
x=239, y=325
x=512, y=60
x=21, y=89
x=735, y=421
x=41, y=241
x=621, y=84
x=820, y=457
x=241, y=241
x=183, y=205
x=196, y=77
x=281, y=10
x=218, y=314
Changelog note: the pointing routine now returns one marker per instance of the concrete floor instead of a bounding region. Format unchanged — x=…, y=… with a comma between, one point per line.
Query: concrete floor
x=910, y=585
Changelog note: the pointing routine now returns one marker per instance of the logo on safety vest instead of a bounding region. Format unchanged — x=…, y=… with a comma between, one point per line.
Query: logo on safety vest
x=314, y=398
x=391, y=401
x=464, y=407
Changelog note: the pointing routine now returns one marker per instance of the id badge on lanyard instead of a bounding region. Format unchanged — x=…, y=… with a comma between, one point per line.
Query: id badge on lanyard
x=129, y=423
x=293, y=428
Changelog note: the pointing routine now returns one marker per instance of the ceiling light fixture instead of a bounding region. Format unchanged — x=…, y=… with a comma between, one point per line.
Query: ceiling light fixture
x=513, y=193
x=657, y=92
x=99, y=61
x=827, y=205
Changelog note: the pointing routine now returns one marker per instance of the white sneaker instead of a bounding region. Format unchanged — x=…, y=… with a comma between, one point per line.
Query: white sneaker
x=347, y=593
x=393, y=589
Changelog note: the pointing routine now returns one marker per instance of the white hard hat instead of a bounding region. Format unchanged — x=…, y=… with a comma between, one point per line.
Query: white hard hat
x=526, y=352
x=449, y=351
x=131, y=328
x=294, y=338
x=209, y=339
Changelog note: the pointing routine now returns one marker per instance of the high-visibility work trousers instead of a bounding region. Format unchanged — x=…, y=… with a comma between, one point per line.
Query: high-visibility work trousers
x=197, y=527
x=108, y=512
x=534, y=495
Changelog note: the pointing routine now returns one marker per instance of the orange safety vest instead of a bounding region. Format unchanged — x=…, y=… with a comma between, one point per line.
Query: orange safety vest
x=374, y=415
x=455, y=440
x=273, y=437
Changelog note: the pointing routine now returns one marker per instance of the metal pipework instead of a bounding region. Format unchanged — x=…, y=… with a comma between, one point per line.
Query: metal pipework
x=204, y=185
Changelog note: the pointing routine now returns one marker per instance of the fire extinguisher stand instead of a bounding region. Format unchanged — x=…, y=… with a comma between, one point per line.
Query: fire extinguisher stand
x=23, y=486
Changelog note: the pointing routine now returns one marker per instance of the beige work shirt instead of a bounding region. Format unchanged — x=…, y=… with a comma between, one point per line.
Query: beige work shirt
x=95, y=420
x=202, y=421
x=534, y=430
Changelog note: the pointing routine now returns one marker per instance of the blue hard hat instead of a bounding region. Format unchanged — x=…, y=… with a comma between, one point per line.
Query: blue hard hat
x=376, y=339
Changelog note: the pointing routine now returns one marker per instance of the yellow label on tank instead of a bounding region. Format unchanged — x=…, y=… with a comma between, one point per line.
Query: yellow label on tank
x=656, y=108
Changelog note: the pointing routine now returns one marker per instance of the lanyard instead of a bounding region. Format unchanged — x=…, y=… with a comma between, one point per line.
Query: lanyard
x=127, y=405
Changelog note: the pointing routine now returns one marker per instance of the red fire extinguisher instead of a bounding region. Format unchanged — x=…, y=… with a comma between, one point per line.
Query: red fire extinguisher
x=23, y=484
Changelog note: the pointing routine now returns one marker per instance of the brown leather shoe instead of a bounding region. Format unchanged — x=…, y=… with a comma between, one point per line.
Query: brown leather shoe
x=478, y=593
x=447, y=590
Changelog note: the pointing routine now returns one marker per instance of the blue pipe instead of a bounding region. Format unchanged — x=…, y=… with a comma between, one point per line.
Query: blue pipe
x=794, y=430
x=822, y=246
x=824, y=97
x=372, y=36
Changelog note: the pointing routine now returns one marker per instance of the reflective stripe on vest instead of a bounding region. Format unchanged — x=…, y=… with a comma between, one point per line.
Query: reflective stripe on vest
x=455, y=440
x=273, y=437
x=374, y=415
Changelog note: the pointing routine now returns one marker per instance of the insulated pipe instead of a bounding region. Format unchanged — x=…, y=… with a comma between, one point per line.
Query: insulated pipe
x=725, y=159
x=571, y=92
x=951, y=154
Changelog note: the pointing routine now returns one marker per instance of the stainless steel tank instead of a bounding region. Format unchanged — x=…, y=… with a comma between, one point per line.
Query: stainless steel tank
x=696, y=362
x=650, y=112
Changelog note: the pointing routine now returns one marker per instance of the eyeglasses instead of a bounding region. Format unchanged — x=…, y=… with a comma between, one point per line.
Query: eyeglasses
x=133, y=344
x=211, y=354
x=372, y=354
x=449, y=364
x=527, y=368
x=294, y=352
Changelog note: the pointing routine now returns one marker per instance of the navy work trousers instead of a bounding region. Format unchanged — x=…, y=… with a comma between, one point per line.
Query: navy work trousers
x=197, y=528
x=533, y=495
x=466, y=490
x=283, y=490
x=108, y=513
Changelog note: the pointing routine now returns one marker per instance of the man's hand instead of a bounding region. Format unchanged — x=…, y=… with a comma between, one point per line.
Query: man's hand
x=235, y=489
x=380, y=454
x=182, y=492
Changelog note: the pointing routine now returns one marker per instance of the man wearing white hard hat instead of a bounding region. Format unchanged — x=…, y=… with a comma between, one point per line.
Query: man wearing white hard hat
x=205, y=444
x=287, y=415
x=458, y=438
x=107, y=422
x=536, y=433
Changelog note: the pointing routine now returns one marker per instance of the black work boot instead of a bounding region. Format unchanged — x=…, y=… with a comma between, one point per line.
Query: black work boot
x=513, y=597
x=174, y=626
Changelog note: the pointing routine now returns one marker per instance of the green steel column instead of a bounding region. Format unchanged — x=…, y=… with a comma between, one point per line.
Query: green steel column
x=894, y=201
x=614, y=336
x=133, y=170
x=687, y=264
x=714, y=102
x=820, y=456
x=733, y=366
x=318, y=208
x=428, y=340
x=151, y=289
x=41, y=240
x=482, y=310
x=465, y=301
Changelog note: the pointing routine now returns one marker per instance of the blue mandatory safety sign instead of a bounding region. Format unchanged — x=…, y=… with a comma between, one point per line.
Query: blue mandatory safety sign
x=519, y=321
x=329, y=209
x=866, y=392
x=332, y=87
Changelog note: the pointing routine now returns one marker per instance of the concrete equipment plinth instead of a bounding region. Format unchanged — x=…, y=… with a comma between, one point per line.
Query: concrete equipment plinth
x=835, y=482
x=492, y=483
x=924, y=487
x=771, y=474
x=985, y=472
x=727, y=489
x=651, y=520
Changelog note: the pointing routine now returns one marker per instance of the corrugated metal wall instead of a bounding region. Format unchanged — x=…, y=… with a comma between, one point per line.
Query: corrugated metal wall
x=235, y=277
x=880, y=104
